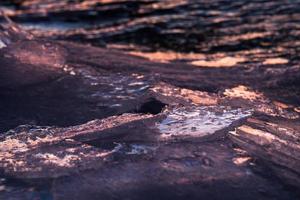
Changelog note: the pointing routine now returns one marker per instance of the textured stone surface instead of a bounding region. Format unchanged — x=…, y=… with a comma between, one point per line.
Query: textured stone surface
x=174, y=100
x=274, y=141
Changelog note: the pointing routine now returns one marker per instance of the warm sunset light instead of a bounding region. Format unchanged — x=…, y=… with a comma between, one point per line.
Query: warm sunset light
x=149, y=100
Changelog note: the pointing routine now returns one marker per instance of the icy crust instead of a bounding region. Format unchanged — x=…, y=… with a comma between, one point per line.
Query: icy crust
x=49, y=152
x=199, y=121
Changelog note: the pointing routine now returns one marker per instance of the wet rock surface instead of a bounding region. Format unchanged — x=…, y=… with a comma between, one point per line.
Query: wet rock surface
x=183, y=99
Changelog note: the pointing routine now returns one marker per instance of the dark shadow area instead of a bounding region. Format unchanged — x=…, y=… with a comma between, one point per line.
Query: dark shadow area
x=151, y=106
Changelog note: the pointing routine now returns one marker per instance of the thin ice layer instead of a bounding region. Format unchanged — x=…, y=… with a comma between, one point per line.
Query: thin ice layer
x=199, y=121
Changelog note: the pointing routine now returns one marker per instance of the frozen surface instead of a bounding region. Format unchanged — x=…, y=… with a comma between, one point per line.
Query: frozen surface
x=199, y=121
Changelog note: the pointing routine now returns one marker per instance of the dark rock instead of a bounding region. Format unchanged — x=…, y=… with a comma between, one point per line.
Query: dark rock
x=275, y=142
x=171, y=171
x=149, y=122
x=35, y=152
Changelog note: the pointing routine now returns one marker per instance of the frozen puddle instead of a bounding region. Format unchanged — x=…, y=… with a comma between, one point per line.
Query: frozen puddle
x=199, y=121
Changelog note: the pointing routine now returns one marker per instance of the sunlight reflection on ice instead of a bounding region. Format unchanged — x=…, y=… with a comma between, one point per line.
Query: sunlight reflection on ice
x=199, y=121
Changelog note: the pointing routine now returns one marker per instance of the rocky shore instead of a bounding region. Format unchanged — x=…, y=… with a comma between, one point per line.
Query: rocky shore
x=149, y=100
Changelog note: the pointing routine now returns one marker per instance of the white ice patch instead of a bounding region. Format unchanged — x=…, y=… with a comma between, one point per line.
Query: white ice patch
x=2, y=44
x=199, y=121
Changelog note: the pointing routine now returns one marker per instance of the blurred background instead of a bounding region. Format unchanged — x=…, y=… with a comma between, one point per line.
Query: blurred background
x=214, y=33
